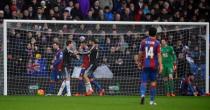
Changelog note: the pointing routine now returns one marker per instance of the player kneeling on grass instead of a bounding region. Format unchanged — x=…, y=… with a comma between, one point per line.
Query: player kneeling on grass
x=149, y=60
x=68, y=55
x=169, y=66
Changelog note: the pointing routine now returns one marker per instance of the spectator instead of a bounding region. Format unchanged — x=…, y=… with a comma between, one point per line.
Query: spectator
x=117, y=17
x=108, y=16
x=1, y=16
x=40, y=15
x=26, y=14
x=31, y=12
x=137, y=10
x=51, y=15
x=127, y=16
x=76, y=13
x=104, y=3
x=138, y=16
x=96, y=10
x=69, y=6
x=66, y=15
x=90, y=16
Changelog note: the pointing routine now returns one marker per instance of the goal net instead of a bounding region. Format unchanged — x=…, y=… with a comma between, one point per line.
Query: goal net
x=28, y=53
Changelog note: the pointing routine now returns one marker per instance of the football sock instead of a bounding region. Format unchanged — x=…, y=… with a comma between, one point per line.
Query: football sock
x=166, y=86
x=68, y=88
x=171, y=85
x=61, y=88
x=97, y=86
x=152, y=93
x=52, y=87
x=142, y=89
x=80, y=86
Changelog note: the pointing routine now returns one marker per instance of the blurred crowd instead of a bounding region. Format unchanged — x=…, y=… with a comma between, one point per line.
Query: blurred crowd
x=106, y=10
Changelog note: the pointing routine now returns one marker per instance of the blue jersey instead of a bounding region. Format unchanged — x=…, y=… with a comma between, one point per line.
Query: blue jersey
x=150, y=48
x=58, y=59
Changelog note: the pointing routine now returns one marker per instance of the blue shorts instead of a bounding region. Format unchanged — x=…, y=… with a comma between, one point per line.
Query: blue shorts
x=148, y=73
x=54, y=75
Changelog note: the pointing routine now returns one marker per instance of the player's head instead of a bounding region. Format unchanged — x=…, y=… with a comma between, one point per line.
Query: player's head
x=93, y=41
x=56, y=45
x=163, y=42
x=152, y=32
x=69, y=44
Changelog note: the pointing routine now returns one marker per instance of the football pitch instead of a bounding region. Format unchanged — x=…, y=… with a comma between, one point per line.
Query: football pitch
x=101, y=103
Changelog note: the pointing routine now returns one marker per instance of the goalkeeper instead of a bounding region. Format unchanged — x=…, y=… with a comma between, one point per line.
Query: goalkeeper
x=169, y=66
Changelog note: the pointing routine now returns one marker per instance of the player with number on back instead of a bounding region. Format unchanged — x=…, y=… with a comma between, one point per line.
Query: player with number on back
x=169, y=66
x=149, y=61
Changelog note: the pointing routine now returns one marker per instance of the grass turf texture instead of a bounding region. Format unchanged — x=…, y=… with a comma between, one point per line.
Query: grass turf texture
x=101, y=103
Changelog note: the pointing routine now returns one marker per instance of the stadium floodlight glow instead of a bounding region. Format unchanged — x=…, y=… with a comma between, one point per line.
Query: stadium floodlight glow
x=183, y=30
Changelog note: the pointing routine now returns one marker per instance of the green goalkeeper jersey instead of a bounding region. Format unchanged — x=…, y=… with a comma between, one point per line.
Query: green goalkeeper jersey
x=168, y=55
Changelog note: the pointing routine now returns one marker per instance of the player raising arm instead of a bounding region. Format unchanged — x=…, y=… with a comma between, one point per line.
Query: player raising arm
x=149, y=61
x=169, y=62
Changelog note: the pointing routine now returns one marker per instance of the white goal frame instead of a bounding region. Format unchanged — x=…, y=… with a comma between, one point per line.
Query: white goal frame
x=103, y=22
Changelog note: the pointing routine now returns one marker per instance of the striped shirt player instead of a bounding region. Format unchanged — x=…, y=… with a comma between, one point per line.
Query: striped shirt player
x=150, y=60
x=56, y=67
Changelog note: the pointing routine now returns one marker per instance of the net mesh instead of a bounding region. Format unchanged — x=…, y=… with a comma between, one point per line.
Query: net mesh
x=119, y=44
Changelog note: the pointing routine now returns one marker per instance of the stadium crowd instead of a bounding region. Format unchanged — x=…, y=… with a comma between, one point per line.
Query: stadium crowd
x=107, y=10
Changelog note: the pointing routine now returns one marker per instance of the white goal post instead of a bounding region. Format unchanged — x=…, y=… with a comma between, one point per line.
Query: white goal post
x=5, y=40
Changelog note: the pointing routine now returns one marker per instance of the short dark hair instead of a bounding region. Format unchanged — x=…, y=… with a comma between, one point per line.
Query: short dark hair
x=68, y=42
x=152, y=31
x=94, y=40
x=57, y=43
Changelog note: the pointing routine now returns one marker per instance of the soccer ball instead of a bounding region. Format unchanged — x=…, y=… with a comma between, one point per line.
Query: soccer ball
x=40, y=92
x=82, y=38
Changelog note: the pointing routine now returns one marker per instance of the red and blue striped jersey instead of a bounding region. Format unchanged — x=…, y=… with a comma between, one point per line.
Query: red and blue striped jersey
x=58, y=60
x=150, y=47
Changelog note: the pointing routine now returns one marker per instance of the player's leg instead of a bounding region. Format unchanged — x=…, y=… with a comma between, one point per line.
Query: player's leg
x=98, y=87
x=61, y=88
x=143, y=85
x=153, y=85
x=53, y=78
x=171, y=81
x=67, y=75
x=165, y=80
x=88, y=86
x=80, y=86
x=81, y=82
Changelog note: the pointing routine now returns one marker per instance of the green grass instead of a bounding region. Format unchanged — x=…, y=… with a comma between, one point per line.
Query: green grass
x=101, y=103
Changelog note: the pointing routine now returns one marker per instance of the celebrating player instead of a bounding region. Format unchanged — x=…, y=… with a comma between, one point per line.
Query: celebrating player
x=149, y=61
x=93, y=54
x=68, y=54
x=169, y=65
x=56, y=66
x=85, y=64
